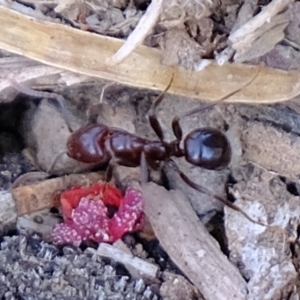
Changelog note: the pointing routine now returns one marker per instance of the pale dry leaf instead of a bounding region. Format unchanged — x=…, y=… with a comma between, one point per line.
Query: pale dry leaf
x=86, y=53
x=245, y=14
x=293, y=30
x=243, y=37
x=263, y=44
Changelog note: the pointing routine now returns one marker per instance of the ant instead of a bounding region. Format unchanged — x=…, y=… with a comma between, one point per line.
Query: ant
x=207, y=148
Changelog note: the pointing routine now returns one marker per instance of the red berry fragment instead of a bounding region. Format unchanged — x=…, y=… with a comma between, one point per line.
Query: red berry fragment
x=85, y=214
x=107, y=192
x=129, y=217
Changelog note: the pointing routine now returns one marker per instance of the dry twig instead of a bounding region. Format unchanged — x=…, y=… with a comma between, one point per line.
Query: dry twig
x=42, y=195
x=137, y=267
x=190, y=246
x=144, y=27
x=245, y=35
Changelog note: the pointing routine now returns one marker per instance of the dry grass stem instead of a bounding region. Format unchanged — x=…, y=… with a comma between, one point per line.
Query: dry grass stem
x=144, y=27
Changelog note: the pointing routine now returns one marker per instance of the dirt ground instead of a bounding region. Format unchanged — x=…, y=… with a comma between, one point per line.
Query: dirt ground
x=262, y=178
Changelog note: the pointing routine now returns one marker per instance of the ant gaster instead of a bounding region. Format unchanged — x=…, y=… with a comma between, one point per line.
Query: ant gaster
x=207, y=148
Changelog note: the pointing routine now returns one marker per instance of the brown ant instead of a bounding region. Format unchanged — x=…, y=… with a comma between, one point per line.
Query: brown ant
x=207, y=148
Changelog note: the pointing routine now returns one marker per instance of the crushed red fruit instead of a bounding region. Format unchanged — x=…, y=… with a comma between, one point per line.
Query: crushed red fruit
x=86, y=216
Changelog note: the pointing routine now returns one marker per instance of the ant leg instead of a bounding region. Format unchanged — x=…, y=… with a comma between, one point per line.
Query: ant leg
x=104, y=90
x=40, y=94
x=177, y=130
x=204, y=190
x=152, y=115
x=156, y=127
x=109, y=172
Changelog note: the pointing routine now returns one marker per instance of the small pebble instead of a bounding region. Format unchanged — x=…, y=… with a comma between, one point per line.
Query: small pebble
x=139, y=249
x=38, y=219
x=139, y=286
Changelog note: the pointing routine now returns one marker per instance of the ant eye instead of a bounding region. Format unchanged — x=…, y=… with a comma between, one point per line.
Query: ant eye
x=207, y=148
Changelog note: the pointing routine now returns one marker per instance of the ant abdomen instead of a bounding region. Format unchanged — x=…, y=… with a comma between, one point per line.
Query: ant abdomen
x=87, y=144
x=207, y=148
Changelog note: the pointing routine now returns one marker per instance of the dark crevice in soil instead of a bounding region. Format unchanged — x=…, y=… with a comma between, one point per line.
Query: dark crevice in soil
x=12, y=162
x=12, y=231
x=141, y=4
x=165, y=180
x=218, y=232
x=284, y=127
x=161, y=258
x=278, y=116
x=292, y=187
x=231, y=180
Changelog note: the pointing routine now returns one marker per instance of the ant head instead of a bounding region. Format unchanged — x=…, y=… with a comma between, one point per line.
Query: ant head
x=207, y=148
x=87, y=144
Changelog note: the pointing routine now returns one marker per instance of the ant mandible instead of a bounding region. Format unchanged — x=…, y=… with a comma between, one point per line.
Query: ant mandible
x=207, y=148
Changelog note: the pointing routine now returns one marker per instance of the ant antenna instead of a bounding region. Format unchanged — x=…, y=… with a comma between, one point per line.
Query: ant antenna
x=94, y=110
x=160, y=97
x=41, y=94
x=152, y=111
x=105, y=87
x=196, y=110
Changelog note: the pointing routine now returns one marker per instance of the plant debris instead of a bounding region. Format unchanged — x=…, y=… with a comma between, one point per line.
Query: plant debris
x=137, y=267
x=173, y=219
x=41, y=195
x=212, y=83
